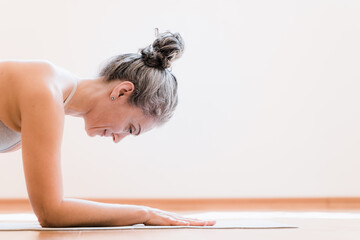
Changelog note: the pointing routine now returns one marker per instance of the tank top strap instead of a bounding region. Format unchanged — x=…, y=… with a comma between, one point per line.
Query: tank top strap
x=71, y=94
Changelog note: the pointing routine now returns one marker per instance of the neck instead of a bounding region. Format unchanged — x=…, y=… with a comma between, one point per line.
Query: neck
x=87, y=93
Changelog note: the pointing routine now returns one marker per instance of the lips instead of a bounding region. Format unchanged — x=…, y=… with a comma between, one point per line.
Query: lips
x=103, y=133
x=107, y=133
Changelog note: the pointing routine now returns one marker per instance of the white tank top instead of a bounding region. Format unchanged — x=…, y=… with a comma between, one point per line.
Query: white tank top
x=10, y=138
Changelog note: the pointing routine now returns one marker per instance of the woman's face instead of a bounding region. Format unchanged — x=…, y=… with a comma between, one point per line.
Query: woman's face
x=116, y=118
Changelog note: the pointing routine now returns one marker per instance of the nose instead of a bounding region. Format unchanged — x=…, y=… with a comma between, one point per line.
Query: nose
x=118, y=137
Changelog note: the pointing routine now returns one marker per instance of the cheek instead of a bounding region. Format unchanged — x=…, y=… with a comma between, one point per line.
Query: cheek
x=119, y=128
x=118, y=124
x=100, y=120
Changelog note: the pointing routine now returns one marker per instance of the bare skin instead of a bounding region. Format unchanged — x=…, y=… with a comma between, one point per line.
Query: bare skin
x=31, y=102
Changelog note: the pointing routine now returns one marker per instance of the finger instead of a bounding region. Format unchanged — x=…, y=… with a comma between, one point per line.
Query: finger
x=178, y=222
x=208, y=221
x=160, y=219
x=167, y=220
x=191, y=221
x=175, y=215
x=170, y=218
x=199, y=222
x=181, y=221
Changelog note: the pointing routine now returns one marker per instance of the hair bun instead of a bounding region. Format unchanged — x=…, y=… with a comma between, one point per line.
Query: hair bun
x=166, y=48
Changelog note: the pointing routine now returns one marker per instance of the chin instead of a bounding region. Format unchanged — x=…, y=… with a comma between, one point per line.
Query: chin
x=90, y=134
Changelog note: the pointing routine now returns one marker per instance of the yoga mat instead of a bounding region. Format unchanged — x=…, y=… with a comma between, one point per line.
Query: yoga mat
x=222, y=224
x=28, y=222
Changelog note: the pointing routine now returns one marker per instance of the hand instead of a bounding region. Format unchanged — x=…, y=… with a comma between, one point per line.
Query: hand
x=162, y=218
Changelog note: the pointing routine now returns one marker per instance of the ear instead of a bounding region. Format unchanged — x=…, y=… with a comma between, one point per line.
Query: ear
x=123, y=90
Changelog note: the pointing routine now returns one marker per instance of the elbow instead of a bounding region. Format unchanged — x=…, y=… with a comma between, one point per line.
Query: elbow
x=48, y=221
x=44, y=222
x=49, y=217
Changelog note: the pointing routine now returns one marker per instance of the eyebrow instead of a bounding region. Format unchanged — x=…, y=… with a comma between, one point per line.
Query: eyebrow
x=138, y=131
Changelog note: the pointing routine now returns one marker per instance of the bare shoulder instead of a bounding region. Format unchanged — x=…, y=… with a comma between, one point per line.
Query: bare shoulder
x=18, y=74
x=37, y=83
x=27, y=75
x=34, y=82
x=14, y=66
x=25, y=85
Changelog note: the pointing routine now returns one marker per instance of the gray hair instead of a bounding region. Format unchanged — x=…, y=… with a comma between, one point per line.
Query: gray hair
x=155, y=86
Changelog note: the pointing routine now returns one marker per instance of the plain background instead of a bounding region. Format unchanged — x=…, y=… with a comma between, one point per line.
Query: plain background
x=269, y=97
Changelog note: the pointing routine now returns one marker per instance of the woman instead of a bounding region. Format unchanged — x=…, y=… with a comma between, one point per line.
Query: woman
x=133, y=94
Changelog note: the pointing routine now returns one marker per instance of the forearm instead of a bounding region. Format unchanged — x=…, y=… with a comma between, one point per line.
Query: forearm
x=76, y=212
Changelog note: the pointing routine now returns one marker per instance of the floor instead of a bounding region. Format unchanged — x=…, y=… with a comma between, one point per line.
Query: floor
x=329, y=225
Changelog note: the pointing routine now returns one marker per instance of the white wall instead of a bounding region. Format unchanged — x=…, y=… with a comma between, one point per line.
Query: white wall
x=269, y=96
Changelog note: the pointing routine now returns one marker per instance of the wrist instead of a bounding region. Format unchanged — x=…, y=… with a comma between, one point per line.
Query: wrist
x=145, y=213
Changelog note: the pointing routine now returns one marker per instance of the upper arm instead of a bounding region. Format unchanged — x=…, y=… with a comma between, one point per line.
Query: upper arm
x=42, y=121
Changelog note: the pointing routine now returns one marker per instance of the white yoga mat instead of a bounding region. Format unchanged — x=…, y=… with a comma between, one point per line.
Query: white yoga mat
x=223, y=224
x=28, y=222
